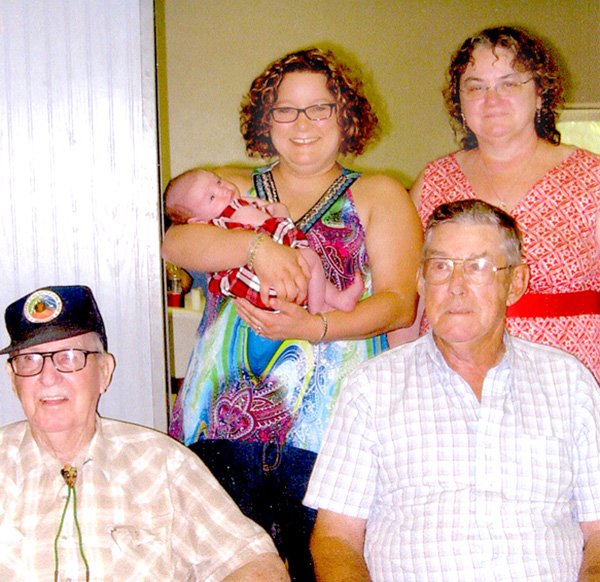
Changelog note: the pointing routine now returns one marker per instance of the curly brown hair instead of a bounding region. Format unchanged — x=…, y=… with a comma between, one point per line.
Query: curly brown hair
x=532, y=55
x=357, y=119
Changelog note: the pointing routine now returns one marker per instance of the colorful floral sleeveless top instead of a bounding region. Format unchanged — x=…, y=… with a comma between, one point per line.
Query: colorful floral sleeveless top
x=558, y=221
x=240, y=386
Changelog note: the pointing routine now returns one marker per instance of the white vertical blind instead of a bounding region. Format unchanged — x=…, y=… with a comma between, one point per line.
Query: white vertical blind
x=79, y=179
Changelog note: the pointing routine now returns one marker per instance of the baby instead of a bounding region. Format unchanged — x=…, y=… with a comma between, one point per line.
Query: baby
x=202, y=196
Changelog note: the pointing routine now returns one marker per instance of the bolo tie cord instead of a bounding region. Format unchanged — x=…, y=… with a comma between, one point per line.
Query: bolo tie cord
x=69, y=474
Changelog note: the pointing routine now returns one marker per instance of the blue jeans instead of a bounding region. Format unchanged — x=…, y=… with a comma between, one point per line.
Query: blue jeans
x=268, y=482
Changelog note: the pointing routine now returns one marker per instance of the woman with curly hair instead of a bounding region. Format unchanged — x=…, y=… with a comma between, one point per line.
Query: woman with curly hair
x=261, y=384
x=503, y=94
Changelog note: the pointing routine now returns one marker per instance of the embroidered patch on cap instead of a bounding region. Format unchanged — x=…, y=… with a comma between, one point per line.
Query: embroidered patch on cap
x=42, y=306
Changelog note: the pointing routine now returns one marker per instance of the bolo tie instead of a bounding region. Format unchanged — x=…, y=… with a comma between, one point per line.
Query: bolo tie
x=69, y=474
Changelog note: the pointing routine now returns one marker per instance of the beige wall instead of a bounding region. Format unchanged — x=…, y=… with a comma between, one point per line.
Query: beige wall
x=214, y=48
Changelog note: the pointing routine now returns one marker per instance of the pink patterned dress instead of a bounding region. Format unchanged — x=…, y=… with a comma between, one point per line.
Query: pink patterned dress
x=558, y=220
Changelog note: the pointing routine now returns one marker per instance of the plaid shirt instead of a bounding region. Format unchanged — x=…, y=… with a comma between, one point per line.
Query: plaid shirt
x=147, y=507
x=243, y=282
x=457, y=489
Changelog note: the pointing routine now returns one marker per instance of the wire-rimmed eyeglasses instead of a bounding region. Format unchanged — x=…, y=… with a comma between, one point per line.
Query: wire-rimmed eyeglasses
x=480, y=271
x=474, y=90
x=65, y=361
x=317, y=112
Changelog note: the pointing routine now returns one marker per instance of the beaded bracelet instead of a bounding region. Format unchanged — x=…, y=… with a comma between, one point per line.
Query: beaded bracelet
x=256, y=242
x=325, y=327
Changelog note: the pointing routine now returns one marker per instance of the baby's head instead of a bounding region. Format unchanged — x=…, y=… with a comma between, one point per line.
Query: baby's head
x=197, y=196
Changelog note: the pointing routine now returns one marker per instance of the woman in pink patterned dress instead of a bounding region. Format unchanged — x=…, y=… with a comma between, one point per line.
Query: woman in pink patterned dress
x=503, y=95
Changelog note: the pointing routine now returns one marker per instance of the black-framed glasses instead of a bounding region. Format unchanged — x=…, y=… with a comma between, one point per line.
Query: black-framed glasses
x=65, y=361
x=317, y=112
x=473, y=90
x=480, y=271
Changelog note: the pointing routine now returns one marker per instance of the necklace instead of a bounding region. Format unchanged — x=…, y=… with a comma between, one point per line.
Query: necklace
x=69, y=474
x=501, y=201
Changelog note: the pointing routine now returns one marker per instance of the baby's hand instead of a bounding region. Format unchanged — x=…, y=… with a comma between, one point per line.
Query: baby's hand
x=278, y=210
x=256, y=201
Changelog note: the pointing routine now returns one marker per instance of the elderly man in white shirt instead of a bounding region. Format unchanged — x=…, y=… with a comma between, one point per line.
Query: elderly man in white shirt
x=467, y=455
x=88, y=498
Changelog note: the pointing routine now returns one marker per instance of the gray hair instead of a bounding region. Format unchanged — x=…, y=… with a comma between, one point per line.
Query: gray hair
x=98, y=344
x=474, y=211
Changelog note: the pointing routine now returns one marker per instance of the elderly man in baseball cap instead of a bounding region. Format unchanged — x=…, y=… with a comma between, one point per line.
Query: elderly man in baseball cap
x=88, y=498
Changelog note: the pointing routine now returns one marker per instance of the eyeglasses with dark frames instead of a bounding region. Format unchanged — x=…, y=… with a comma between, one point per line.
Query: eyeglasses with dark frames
x=318, y=112
x=480, y=271
x=65, y=361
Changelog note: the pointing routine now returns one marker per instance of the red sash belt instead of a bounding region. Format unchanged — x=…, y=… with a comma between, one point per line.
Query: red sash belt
x=555, y=305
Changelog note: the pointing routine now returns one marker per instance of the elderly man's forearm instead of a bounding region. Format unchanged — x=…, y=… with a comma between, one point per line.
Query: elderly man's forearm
x=590, y=567
x=266, y=568
x=336, y=561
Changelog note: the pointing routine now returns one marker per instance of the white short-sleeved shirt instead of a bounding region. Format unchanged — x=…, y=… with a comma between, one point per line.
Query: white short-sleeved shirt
x=148, y=509
x=457, y=489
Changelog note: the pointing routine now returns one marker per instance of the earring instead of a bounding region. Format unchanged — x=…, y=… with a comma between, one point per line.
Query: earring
x=538, y=116
x=464, y=121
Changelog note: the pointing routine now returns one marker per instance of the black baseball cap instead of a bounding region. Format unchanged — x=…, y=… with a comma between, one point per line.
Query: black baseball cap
x=52, y=313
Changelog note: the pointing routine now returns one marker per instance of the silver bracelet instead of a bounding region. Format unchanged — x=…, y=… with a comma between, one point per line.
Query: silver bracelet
x=325, y=327
x=256, y=241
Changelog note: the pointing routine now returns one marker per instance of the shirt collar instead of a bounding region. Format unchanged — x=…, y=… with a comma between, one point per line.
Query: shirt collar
x=97, y=452
x=436, y=355
x=34, y=458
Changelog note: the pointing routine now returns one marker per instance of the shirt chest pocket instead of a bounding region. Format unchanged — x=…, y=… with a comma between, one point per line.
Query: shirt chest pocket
x=143, y=548
x=536, y=468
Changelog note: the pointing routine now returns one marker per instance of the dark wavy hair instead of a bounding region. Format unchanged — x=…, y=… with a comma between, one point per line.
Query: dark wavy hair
x=357, y=119
x=530, y=54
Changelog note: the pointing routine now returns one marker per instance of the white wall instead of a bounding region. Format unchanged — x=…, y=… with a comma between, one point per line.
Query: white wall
x=79, y=179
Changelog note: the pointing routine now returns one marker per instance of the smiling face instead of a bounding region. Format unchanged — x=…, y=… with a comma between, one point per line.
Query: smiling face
x=63, y=405
x=460, y=313
x=493, y=116
x=306, y=146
